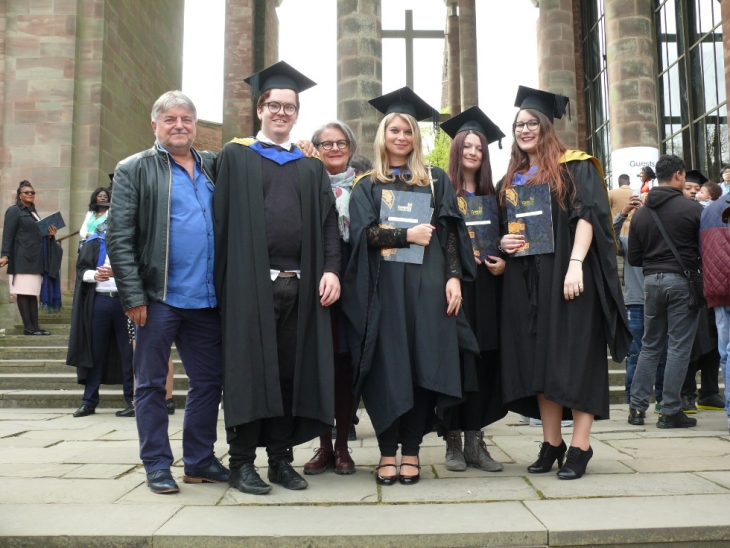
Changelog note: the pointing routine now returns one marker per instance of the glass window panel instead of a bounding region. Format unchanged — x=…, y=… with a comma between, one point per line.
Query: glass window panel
x=670, y=18
x=710, y=76
x=705, y=19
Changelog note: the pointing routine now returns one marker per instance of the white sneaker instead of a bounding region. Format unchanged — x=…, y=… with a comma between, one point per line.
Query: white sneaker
x=566, y=424
x=535, y=422
x=524, y=420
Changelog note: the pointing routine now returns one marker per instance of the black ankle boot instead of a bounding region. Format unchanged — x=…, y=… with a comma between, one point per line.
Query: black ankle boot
x=546, y=457
x=575, y=464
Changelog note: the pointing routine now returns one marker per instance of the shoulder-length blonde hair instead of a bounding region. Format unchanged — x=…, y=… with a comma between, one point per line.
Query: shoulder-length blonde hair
x=382, y=171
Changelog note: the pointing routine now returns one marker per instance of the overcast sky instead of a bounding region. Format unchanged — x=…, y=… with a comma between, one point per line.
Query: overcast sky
x=506, y=41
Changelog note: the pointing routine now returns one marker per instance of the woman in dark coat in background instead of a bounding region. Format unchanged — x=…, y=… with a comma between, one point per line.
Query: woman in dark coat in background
x=22, y=252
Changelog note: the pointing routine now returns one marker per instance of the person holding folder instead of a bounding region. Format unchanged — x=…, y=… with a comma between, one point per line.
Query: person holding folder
x=560, y=309
x=405, y=325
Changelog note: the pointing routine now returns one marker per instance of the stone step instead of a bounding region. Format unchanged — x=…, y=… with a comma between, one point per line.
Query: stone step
x=55, y=329
x=27, y=340
x=43, y=352
x=68, y=399
x=53, y=366
x=58, y=381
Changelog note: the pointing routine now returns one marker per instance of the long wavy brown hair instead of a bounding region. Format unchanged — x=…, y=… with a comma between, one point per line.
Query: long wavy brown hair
x=549, y=169
x=483, y=176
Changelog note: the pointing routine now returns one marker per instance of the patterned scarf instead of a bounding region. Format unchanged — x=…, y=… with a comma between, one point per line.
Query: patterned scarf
x=342, y=187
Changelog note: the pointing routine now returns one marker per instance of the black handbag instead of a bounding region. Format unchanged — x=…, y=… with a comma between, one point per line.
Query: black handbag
x=696, y=284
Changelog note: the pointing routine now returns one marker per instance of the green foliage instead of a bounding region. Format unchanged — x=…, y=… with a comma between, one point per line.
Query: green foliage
x=437, y=146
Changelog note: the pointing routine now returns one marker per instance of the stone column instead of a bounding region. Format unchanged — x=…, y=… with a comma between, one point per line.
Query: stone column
x=452, y=44
x=631, y=74
x=238, y=109
x=726, y=46
x=359, y=68
x=468, y=54
x=557, y=62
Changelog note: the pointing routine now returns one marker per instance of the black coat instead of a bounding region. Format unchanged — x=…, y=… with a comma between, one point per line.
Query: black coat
x=22, y=242
x=381, y=299
x=79, y=353
x=556, y=347
x=243, y=286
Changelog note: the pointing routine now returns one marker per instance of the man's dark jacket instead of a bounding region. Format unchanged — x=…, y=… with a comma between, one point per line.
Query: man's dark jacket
x=681, y=220
x=139, y=220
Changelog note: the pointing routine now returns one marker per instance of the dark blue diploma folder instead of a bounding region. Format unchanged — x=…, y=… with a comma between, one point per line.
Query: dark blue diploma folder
x=529, y=213
x=400, y=209
x=482, y=222
x=54, y=219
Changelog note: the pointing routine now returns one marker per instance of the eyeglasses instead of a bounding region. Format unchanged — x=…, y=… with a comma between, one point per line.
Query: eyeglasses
x=341, y=144
x=532, y=125
x=275, y=106
x=31, y=192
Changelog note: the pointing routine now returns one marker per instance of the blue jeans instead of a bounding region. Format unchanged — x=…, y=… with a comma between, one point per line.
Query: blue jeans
x=198, y=338
x=667, y=321
x=722, y=320
x=635, y=312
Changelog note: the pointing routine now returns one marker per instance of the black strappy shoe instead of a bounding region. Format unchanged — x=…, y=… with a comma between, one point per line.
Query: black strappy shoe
x=386, y=480
x=409, y=480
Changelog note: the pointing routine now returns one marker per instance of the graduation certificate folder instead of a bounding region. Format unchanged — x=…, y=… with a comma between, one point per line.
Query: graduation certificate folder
x=529, y=213
x=482, y=222
x=54, y=219
x=399, y=209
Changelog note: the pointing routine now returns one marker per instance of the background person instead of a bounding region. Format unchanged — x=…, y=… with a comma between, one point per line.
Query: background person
x=28, y=257
x=725, y=183
x=647, y=177
x=560, y=308
x=619, y=197
x=96, y=216
x=471, y=174
x=709, y=192
x=409, y=361
x=336, y=145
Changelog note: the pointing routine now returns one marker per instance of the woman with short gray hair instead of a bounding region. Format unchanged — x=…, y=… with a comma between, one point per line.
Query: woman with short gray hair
x=336, y=145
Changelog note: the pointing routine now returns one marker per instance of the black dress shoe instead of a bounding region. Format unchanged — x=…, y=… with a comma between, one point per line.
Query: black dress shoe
x=215, y=473
x=546, y=458
x=575, y=463
x=170, y=404
x=29, y=332
x=43, y=332
x=678, y=420
x=84, y=411
x=409, y=480
x=247, y=480
x=281, y=472
x=161, y=482
x=128, y=412
x=386, y=480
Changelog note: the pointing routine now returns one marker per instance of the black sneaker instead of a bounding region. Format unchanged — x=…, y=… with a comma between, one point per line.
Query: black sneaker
x=678, y=420
x=688, y=405
x=636, y=417
x=712, y=403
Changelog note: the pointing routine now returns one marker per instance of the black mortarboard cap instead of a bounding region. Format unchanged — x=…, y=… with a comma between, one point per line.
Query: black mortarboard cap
x=473, y=119
x=552, y=105
x=280, y=75
x=111, y=177
x=695, y=176
x=405, y=101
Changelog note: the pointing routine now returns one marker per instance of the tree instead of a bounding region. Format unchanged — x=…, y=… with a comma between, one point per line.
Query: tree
x=437, y=146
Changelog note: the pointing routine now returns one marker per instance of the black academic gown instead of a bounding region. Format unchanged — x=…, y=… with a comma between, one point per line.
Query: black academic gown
x=244, y=289
x=556, y=347
x=79, y=354
x=382, y=300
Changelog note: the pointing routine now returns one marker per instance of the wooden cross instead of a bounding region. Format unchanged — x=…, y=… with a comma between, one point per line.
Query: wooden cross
x=410, y=34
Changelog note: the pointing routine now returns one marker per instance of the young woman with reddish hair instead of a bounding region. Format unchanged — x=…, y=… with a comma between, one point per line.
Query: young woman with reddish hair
x=560, y=309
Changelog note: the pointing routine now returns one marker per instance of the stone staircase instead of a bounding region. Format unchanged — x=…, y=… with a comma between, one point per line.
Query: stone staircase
x=34, y=374
x=33, y=370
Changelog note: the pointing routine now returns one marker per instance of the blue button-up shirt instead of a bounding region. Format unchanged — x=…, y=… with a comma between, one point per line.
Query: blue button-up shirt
x=190, y=260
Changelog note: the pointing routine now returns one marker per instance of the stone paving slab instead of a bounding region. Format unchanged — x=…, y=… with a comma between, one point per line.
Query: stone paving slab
x=99, y=471
x=635, y=485
x=64, y=491
x=678, y=448
x=93, y=521
x=617, y=521
x=672, y=464
x=405, y=526
x=36, y=470
x=461, y=490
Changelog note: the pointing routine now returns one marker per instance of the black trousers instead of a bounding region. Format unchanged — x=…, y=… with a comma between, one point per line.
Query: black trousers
x=407, y=430
x=709, y=366
x=275, y=433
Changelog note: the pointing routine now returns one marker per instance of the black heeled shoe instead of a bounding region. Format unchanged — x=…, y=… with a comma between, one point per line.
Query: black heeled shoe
x=576, y=463
x=409, y=480
x=386, y=480
x=546, y=458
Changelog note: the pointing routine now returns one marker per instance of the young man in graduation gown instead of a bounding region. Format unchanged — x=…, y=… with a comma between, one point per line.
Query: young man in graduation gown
x=276, y=261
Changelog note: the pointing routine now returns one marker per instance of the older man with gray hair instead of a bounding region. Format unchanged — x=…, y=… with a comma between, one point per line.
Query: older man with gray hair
x=160, y=241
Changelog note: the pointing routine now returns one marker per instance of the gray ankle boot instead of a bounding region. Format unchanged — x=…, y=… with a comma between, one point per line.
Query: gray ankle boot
x=476, y=453
x=454, y=460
